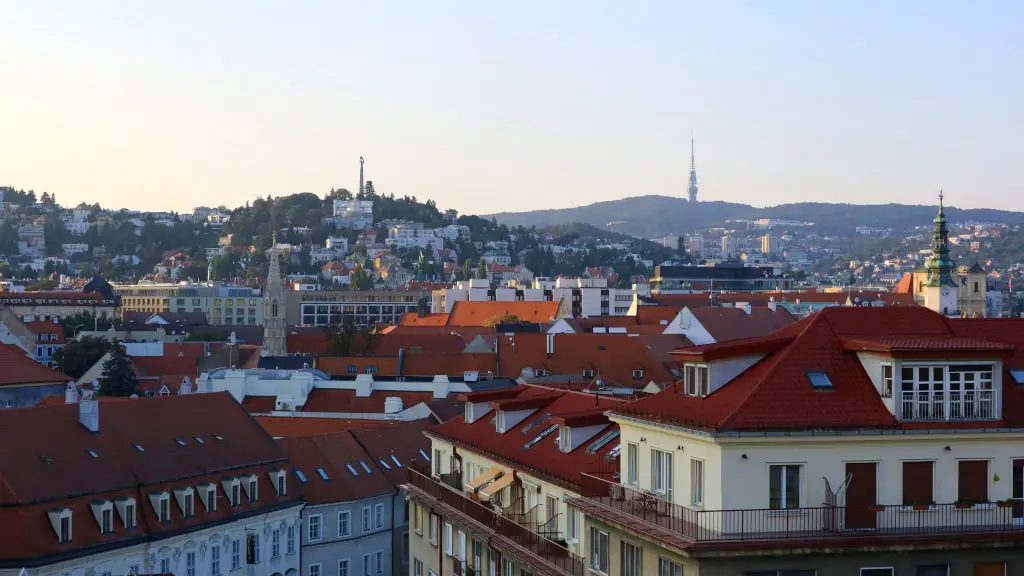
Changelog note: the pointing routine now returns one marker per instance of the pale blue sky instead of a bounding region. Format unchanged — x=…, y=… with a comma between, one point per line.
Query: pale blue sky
x=488, y=106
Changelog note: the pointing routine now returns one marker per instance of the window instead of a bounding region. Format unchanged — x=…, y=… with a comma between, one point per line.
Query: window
x=254, y=495
x=432, y=534
x=1018, y=375
x=165, y=565
x=378, y=516
x=955, y=392
x=315, y=570
x=632, y=463
x=380, y=562
x=189, y=509
x=366, y=519
x=918, y=483
x=638, y=374
x=255, y=547
x=417, y=518
x=819, y=380
x=790, y=572
x=551, y=506
x=344, y=523
x=291, y=539
x=437, y=462
x=215, y=560
x=417, y=567
x=280, y=484
x=588, y=372
x=933, y=570
x=190, y=563
x=164, y=510
x=449, y=545
x=343, y=567
x=236, y=494
x=696, y=482
x=886, y=571
x=630, y=557
x=599, y=551
x=275, y=543
x=316, y=527
x=236, y=554
x=784, y=486
x=565, y=439
x=574, y=527
x=886, y=380
x=107, y=520
x=695, y=379
x=972, y=481
x=302, y=477
x=65, y=528
x=661, y=472
x=366, y=564
x=669, y=568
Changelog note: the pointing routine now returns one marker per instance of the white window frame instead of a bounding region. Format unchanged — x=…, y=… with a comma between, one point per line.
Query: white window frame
x=668, y=567
x=378, y=516
x=433, y=529
x=782, y=488
x=315, y=569
x=572, y=531
x=275, y=543
x=236, y=553
x=367, y=562
x=697, y=482
x=344, y=567
x=190, y=563
x=379, y=561
x=887, y=382
x=367, y=519
x=417, y=567
x=595, y=558
x=632, y=463
x=662, y=475
x=696, y=379
x=449, y=544
x=636, y=569
x=215, y=559
x=344, y=521
x=319, y=528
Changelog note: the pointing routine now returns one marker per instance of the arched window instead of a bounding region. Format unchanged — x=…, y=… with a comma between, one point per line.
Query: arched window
x=975, y=287
x=273, y=309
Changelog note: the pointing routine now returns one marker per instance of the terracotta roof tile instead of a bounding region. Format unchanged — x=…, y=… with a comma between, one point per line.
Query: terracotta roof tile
x=466, y=313
x=334, y=454
x=346, y=401
x=17, y=369
x=734, y=323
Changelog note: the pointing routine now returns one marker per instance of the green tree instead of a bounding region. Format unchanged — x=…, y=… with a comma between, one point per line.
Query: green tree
x=77, y=356
x=481, y=270
x=467, y=270
x=118, y=373
x=360, y=280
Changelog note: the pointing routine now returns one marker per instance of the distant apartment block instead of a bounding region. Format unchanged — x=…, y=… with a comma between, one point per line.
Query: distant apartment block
x=222, y=305
x=583, y=296
x=731, y=277
x=353, y=213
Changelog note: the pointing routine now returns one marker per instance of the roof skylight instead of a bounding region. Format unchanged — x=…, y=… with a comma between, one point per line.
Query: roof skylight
x=302, y=477
x=397, y=463
x=1018, y=375
x=365, y=467
x=139, y=448
x=351, y=469
x=383, y=463
x=199, y=440
x=180, y=441
x=93, y=454
x=819, y=380
x=544, y=434
x=218, y=436
x=322, y=473
x=424, y=454
x=603, y=441
x=537, y=422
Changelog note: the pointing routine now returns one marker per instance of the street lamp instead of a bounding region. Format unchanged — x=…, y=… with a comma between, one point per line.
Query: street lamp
x=74, y=333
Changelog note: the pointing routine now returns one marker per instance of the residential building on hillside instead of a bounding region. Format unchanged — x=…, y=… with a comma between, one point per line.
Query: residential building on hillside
x=583, y=296
x=59, y=303
x=222, y=305
x=857, y=441
x=49, y=338
x=356, y=214
x=495, y=501
x=183, y=485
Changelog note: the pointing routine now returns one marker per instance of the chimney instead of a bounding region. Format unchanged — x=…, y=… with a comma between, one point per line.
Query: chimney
x=71, y=394
x=550, y=344
x=745, y=306
x=441, y=387
x=89, y=412
x=392, y=405
x=364, y=385
x=771, y=305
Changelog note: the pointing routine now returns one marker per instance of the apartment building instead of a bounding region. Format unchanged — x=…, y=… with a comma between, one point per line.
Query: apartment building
x=858, y=441
x=495, y=501
x=364, y=307
x=222, y=305
x=184, y=485
x=583, y=297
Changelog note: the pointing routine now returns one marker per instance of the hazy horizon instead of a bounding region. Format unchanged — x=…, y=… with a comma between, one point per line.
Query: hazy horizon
x=490, y=109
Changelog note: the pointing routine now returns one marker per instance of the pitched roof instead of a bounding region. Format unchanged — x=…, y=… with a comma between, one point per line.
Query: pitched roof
x=346, y=401
x=473, y=313
x=298, y=427
x=775, y=393
x=341, y=459
x=415, y=319
x=17, y=369
x=514, y=447
x=734, y=323
x=404, y=442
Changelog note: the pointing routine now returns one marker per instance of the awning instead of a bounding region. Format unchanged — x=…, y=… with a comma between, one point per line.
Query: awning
x=483, y=478
x=497, y=486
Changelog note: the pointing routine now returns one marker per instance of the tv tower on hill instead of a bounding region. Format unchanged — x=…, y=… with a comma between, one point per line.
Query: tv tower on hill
x=692, y=188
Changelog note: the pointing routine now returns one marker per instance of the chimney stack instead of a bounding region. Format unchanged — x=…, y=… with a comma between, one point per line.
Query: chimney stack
x=550, y=344
x=89, y=412
x=71, y=394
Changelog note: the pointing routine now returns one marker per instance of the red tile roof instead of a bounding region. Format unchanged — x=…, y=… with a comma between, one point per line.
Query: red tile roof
x=334, y=453
x=542, y=458
x=734, y=323
x=383, y=365
x=45, y=327
x=466, y=313
x=404, y=442
x=298, y=427
x=414, y=319
x=775, y=393
x=17, y=369
x=46, y=464
x=328, y=400
x=259, y=404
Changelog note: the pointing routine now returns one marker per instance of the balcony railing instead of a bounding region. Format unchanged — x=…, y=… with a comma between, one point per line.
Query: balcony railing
x=551, y=552
x=804, y=524
x=952, y=405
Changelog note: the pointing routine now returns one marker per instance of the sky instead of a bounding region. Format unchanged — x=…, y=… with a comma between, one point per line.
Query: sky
x=512, y=106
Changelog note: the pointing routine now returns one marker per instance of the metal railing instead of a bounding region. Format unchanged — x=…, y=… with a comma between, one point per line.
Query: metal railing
x=819, y=522
x=551, y=552
x=952, y=405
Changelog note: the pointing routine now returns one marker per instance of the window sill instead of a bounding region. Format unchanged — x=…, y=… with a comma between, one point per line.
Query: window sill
x=788, y=512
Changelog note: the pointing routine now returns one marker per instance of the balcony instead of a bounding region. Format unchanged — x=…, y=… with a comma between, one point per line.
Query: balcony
x=524, y=543
x=952, y=405
x=823, y=525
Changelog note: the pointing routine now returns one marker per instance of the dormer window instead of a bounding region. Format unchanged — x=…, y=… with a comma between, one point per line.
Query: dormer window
x=948, y=392
x=161, y=502
x=60, y=520
x=233, y=489
x=251, y=487
x=638, y=373
x=499, y=421
x=886, y=381
x=103, y=511
x=186, y=498
x=277, y=479
x=128, y=514
x=208, y=494
x=565, y=439
x=695, y=379
x=588, y=372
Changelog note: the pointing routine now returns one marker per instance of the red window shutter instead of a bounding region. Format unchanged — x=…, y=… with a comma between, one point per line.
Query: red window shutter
x=917, y=483
x=973, y=481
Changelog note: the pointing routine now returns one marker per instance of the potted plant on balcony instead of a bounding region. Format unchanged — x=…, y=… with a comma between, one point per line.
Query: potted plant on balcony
x=876, y=508
x=963, y=504
x=1008, y=503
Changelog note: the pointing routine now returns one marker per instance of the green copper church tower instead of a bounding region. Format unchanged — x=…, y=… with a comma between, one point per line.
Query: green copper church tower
x=941, y=290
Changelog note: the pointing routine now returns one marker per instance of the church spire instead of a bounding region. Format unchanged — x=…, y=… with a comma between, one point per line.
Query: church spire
x=692, y=188
x=273, y=307
x=940, y=266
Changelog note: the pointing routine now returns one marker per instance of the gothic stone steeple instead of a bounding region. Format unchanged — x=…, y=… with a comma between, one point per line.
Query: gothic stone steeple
x=941, y=290
x=273, y=308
